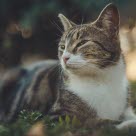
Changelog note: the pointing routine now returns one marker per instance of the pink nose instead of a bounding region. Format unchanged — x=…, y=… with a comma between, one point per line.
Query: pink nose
x=65, y=59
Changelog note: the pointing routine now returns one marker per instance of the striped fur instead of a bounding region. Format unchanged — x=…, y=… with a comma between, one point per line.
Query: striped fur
x=89, y=70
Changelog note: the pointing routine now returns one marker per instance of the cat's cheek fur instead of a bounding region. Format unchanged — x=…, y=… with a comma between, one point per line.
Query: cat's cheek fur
x=74, y=60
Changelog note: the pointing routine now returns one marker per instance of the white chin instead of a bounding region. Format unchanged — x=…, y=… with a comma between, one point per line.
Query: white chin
x=63, y=65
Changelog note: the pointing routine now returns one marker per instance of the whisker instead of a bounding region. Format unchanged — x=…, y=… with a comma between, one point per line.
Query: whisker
x=58, y=35
x=54, y=23
x=82, y=20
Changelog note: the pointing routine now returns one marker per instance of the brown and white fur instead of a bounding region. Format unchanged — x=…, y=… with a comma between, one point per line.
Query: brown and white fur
x=100, y=79
x=89, y=81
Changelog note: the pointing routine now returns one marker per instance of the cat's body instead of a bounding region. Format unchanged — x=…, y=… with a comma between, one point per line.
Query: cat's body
x=27, y=88
x=88, y=82
x=40, y=87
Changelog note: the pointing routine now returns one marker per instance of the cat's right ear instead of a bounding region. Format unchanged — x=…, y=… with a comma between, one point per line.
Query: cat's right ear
x=67, y=24
x=109, y=19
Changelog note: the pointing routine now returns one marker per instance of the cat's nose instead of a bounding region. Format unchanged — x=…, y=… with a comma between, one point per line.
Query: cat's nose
x=65, y=59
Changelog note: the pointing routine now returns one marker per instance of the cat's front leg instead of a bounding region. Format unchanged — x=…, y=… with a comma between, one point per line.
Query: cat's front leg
x=129, y=119
x=98, y=123
x=127, y=124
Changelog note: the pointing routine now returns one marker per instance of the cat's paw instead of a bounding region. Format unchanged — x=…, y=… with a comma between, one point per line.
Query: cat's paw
x=126, y=124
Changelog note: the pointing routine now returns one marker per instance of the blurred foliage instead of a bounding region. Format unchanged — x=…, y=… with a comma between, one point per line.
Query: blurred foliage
x=29, y=123
x=26, y=120
x=32, y=26
x=34, y=124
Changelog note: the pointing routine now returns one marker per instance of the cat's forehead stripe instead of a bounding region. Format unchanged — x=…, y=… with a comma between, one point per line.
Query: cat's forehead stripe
x=70, y=34
x=73, y=34
x=69, y=37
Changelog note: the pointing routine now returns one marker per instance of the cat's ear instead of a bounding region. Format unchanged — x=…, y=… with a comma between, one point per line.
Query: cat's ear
x=66, y=22
x=109, y=19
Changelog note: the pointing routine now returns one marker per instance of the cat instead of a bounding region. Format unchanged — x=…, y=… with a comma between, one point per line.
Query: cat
x=88, y=81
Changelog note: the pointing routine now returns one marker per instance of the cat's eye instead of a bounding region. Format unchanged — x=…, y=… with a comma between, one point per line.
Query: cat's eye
x=62, y=47
x=105, y=55
x=81, y=43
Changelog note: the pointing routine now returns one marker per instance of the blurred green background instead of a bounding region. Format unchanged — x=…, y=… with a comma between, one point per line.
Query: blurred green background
x=30, y=28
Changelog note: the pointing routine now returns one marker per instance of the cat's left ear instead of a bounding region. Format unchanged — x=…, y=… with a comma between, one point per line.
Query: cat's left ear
x=67, y=24
x=109, y=19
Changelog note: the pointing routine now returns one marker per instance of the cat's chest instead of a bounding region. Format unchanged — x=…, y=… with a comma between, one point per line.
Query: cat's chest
x=109, y=100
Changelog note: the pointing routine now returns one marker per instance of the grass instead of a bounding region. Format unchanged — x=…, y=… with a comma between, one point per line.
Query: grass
x=35, y=124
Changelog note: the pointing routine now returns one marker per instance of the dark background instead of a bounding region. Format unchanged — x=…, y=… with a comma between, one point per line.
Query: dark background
x=31, y=28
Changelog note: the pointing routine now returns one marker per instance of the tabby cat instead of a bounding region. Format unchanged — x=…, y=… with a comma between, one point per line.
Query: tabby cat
x=88, y=81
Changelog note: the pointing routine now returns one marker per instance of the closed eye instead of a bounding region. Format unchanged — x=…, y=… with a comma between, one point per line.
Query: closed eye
x=97, y=43
x=101, y=45
x=80, y=44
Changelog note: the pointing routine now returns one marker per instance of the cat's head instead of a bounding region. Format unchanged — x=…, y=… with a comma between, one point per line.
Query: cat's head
x=90, y=47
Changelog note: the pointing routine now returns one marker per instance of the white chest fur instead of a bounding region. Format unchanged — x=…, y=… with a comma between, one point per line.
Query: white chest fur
x=107, y=97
